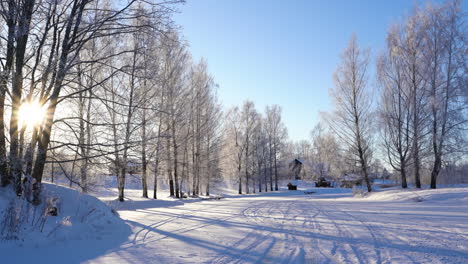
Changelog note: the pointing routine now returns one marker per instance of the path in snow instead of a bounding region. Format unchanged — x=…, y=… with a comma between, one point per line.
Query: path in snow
x=291, y=227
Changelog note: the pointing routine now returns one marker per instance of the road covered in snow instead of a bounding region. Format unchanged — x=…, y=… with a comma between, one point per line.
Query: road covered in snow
x=327, y=226
x=312, y=225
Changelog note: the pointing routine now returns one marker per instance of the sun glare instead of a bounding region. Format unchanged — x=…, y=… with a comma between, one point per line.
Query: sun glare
x=31, y=114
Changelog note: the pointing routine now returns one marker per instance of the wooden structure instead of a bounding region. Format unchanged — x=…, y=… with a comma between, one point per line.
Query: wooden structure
x=296, y=168
x=292, y=187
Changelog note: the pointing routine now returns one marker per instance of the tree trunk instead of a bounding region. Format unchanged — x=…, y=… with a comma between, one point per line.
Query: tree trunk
x=174, y=146
x=52, y=172
x=240, y=177
x=29, y=155
x=437, y=154
x=435, y=171
x=144, y=164
x=4, y=77
x=271, y=168
x=194, y=162
x=25, y=12
x=260, y=179
x=276, y=171
x=169, y=169
x=265, y=175
x=366, y=175
x=247, y=166
x=404, y=185
x=41, y=155
x=121, y=182
x=155, y=184
x=208, y=149
x=416, y=161
x=81, y=135
x=253, y=185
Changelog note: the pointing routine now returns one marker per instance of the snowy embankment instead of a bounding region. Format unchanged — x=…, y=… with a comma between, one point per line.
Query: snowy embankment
x=83, y=228
x=443, y=194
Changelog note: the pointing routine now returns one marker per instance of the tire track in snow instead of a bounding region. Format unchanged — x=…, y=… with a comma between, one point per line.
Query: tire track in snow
x=344, y=232
x=371, y=231
x=149, y=227
x=272, y=237
x=383, y=238
x=328, y=254
x=310, y=222
x=349, y=253
x=238, y=249
x=179, y=231
x=303, y=221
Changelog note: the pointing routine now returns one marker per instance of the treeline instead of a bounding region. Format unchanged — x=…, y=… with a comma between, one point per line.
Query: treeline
x=419, y=122
x=423, y=75
x=152, y=107
x=121, y=91
x=254, y=146
x=122, y=95
x=117, y=84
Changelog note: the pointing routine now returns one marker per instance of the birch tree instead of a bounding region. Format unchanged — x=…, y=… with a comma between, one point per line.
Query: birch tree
x=276, y=135
x=444, y=52
x=351, y=119
x=395, y=106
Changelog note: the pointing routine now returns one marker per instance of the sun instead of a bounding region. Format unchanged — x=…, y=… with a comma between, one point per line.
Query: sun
x=31, y=114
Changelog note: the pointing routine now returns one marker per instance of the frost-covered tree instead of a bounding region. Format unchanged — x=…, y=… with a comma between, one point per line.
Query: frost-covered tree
x=395, y=106
x=277, y=134
x=352, y=119
x=326, y=158
x=445, y=48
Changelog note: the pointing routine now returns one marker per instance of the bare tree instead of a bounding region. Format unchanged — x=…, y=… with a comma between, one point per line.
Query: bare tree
x=276, y=135
x=236, y=143
x=395, y=106
x=249, y=118
x=410, y=46
x=351, y=119
x=444, y=52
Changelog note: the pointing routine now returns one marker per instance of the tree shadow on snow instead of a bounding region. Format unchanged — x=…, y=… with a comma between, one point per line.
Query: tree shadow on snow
x=69, y=251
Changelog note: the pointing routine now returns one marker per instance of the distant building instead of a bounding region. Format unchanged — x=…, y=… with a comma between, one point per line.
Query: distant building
x=296, y=168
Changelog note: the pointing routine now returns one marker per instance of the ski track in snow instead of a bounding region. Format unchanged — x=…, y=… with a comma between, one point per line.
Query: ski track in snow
x=291, y=227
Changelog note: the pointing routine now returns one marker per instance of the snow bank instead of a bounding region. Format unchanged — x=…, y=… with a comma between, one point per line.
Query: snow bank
x=81, y=220
x=432, y=195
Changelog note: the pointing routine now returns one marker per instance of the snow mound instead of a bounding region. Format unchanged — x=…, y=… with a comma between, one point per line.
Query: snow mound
x=79, y=217
x=423, y=195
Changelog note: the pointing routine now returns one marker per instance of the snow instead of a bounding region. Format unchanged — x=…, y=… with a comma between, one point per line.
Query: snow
x=457, y=195
x=84, y=228
x=326, y=225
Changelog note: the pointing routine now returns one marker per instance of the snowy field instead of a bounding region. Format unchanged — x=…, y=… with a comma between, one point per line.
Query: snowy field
x=327, y=226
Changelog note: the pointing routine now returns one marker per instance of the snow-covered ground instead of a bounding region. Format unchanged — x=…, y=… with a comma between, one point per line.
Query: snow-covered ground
x=326, y=226
x=83, y=229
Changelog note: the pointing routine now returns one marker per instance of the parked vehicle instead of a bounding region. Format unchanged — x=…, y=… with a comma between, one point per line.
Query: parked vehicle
x=322, y=182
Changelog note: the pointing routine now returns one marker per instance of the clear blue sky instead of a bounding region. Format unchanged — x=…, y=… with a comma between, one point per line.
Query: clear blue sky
x=283, y=52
